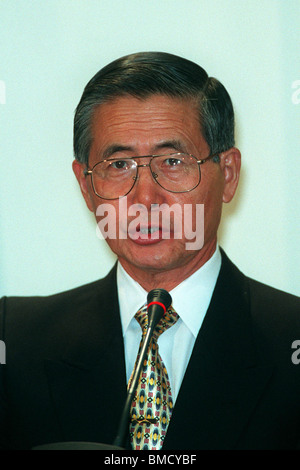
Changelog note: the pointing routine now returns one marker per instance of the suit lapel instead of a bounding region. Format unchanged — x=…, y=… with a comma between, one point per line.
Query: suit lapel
x=222, y=383
x=88, y=384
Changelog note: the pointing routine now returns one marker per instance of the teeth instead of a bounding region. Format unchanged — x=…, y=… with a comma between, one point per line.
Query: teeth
x=145, y=230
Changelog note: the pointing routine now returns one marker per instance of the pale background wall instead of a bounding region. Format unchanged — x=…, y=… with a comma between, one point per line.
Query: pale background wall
x=51, y=48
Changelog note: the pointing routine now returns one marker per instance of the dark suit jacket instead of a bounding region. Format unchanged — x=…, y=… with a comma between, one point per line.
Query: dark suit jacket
x=64, y=378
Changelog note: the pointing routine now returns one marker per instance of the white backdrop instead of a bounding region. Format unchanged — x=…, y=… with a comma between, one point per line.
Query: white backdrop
x=51, y=48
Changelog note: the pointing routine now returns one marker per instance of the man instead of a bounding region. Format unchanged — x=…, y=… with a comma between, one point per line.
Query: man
x=154, y=130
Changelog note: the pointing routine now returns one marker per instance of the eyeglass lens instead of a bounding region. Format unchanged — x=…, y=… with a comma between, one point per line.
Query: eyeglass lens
x=116, y=177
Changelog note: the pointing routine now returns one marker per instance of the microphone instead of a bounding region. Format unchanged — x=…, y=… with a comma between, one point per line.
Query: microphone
x=158, y=301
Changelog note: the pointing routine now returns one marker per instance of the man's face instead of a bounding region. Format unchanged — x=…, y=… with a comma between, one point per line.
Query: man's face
x=159, y=125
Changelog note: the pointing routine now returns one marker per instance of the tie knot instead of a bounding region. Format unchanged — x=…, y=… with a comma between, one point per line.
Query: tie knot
x=169, y=319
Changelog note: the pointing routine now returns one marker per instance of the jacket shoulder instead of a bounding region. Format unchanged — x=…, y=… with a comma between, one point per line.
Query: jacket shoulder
x=32, y=310
x=275, y=320
x=269, y=299
x=262, y=297
x=274, y=314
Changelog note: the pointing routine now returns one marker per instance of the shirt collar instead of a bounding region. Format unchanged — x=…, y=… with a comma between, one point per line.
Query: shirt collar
x=191, y=298
x=131, y=296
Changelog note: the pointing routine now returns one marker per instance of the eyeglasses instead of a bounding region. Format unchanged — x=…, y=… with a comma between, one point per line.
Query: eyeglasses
x=175, y=172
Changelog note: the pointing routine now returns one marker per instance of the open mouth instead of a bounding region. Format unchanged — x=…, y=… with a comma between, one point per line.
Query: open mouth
x=148, y=230
x=147, y=234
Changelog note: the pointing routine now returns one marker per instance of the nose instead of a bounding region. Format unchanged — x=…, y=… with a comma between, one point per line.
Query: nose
x=146, y=191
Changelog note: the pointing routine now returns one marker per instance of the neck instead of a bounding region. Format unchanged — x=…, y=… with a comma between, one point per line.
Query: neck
x=168, y=279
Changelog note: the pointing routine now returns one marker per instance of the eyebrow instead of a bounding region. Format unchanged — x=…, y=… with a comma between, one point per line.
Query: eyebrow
x=167, y=144
x=175, y=144
x=115, y=148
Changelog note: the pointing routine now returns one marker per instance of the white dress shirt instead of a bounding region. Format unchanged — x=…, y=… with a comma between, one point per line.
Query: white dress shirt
x=191, y=299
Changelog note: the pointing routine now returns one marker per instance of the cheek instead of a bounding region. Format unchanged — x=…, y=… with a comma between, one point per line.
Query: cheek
x=209, y=198
x=107, y=219
x=212, y=213
x=113, y=218
x=92, y=201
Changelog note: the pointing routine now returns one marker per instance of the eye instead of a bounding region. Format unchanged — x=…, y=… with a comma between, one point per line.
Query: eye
x=120, y=164
x=115, y=168
x=173, y=161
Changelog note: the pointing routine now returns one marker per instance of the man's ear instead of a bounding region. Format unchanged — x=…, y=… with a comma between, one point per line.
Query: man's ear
x=230, y=163
x=78, y=169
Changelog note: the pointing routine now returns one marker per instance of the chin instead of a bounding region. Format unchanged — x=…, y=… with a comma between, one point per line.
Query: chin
x=159, y=261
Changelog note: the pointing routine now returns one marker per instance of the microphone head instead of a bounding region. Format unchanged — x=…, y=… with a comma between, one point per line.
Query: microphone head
x=158, y=301
x=160, y=295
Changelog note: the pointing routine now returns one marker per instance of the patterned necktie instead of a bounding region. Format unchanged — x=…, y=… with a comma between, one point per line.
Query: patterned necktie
x=152, y=405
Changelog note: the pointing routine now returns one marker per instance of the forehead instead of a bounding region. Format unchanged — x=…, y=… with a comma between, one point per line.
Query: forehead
x=141, y=124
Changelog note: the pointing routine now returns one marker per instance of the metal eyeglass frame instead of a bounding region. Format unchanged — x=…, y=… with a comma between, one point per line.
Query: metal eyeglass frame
x=87, y=172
